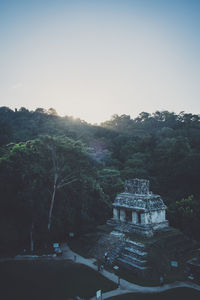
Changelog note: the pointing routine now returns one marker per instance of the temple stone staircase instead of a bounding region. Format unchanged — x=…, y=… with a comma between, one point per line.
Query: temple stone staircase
x=134, y=257
x=143, y=258
x=112, y=243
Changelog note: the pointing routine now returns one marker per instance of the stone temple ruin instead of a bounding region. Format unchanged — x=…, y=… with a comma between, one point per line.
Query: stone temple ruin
x=139, y=210
x=138, y=237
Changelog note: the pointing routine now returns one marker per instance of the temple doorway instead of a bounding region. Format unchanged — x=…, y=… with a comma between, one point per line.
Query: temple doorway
x=118, y=214
x=128, y=216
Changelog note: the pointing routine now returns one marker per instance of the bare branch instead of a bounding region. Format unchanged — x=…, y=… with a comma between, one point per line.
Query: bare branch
x=67, y=178
x=66, y=183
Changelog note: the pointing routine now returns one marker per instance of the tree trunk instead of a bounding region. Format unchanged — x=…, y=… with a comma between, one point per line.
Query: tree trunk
x=31, y=238
x=51, y=207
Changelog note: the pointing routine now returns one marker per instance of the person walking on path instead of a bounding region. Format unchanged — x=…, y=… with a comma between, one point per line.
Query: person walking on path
x=161, y=280
x=106, y=257
x=118, y=282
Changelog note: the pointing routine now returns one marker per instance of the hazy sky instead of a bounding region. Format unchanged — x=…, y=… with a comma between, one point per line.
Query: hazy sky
x=95, y=58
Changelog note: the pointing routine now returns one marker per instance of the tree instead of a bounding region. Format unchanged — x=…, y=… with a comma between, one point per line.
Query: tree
x=110, y=181
x=60, y=179
x=43, y=197
x=185, y=214
x=52, y=111
x=5, y=133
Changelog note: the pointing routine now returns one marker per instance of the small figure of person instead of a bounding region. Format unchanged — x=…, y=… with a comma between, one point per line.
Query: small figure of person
x=161, y=280
x=106, y=256
x=108, y=260
x=74, y=257
x=118, y=282
x=101, y=267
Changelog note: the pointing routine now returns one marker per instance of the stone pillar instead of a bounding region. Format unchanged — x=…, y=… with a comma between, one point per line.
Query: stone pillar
x=134, y=217
x=122, y=215
x=115, y=213
x=164, y=215
x=143, y=219
x=146, y=218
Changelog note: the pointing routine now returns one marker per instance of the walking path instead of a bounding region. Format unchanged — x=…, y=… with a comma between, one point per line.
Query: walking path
x=125, y=286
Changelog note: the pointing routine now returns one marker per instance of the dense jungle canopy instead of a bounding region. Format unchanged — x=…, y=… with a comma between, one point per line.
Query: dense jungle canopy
x=77, y=169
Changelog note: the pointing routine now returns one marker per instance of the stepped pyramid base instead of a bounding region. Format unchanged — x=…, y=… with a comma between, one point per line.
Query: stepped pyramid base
x=145, y=257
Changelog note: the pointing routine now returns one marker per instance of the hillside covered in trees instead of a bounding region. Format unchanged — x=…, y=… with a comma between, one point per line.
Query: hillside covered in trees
x=60, y=174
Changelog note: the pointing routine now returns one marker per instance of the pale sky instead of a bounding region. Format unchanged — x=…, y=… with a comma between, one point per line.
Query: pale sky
x=95, y=58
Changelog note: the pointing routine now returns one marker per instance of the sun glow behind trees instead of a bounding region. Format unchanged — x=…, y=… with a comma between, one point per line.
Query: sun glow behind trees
x=91, y=59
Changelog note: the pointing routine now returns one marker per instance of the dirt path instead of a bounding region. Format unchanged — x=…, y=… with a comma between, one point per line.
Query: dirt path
x=125, y=286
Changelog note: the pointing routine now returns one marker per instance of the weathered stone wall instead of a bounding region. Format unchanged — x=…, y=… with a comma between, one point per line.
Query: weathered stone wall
x=146, y=218
x=158, y=216
x=137, y=207
x=139, y=202
x=137, y=186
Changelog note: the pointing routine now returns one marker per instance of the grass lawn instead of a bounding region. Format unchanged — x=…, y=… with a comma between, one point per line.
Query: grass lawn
x=172, y=276
x=177, y=294
x=49, y=280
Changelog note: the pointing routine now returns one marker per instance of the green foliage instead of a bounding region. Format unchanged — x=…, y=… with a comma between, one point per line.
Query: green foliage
x=28, y=169
x=185, y=214
x=110, y=181
x=163, y=147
